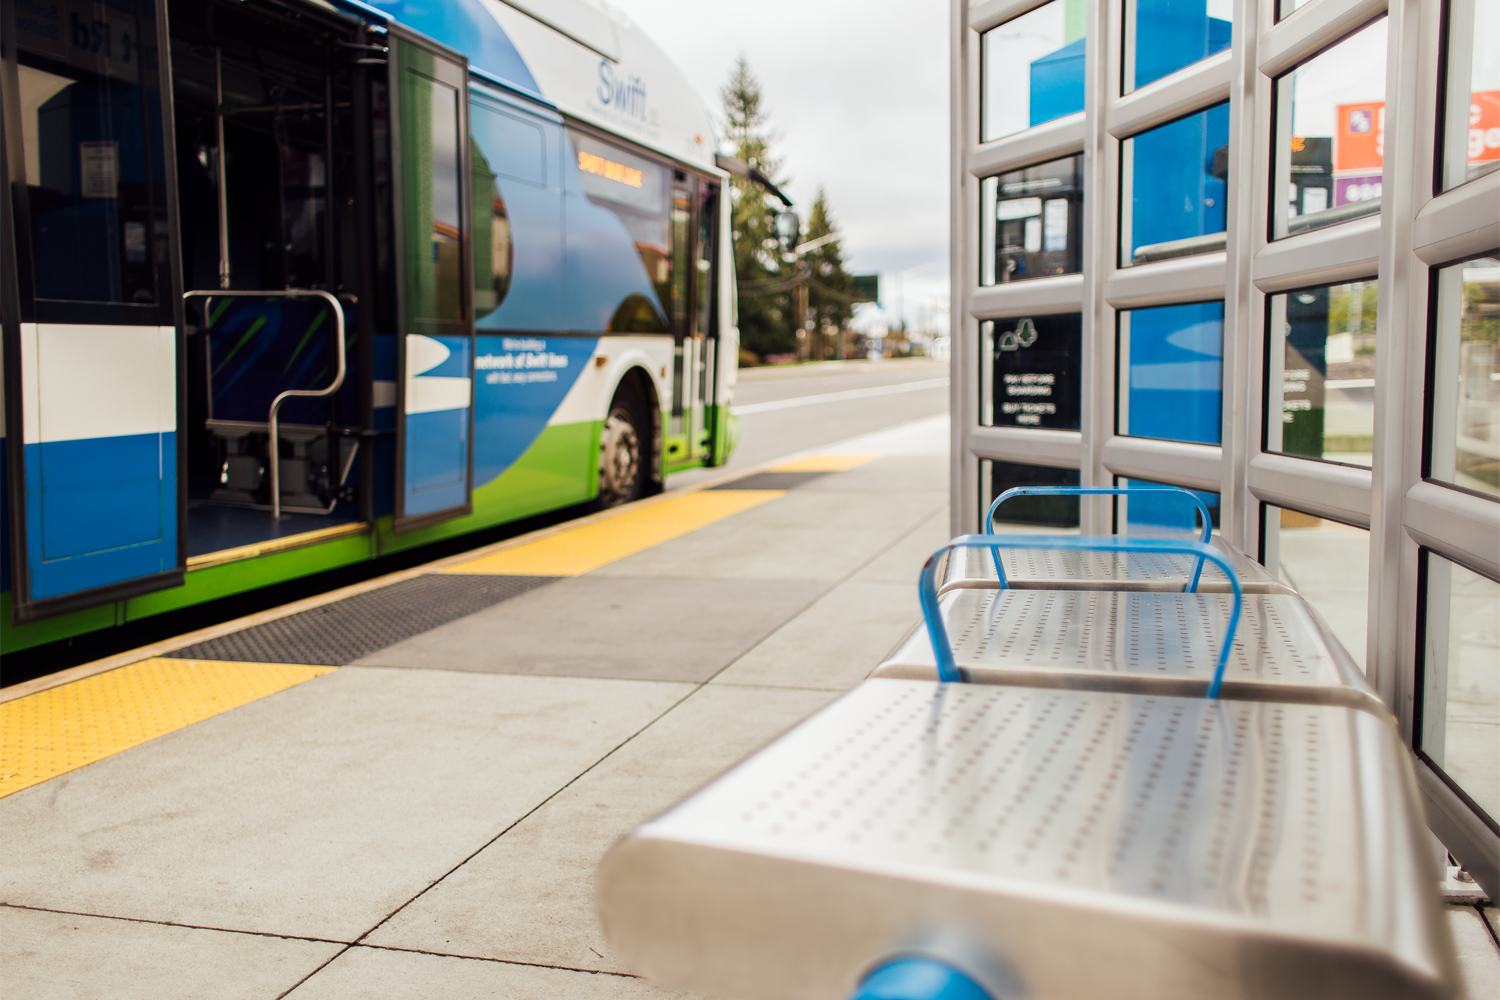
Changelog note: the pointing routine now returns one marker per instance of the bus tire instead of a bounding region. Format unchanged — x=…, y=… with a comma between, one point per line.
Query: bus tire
x=624, y=450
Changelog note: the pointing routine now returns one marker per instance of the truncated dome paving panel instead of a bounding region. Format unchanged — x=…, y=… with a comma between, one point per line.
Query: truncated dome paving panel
x=345, y=631
x=1096, y=844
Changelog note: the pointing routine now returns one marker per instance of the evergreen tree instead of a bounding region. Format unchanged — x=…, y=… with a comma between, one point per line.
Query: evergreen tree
x=830, y=289
x=765, y=306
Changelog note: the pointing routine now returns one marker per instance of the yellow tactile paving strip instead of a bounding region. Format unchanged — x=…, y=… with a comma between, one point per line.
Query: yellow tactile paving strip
x=589, y=546
x=823, y=463
x=63, y=728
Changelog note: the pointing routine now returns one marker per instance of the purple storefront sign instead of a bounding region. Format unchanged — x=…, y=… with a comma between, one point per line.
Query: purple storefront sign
x=1355, y=188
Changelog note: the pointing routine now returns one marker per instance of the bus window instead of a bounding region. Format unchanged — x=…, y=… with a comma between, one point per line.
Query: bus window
x=682, y=217
x=494, y=253
x=93, y=188
x=514, y=147
x=519, y=256
x=637, y=191
x=708, y=227
x=434, y=230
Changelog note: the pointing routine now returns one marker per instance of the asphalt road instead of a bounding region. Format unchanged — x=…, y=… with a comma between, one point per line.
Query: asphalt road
x=785, y=410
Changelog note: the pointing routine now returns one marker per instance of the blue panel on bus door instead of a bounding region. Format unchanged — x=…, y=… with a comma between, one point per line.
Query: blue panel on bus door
x=438, y=392
x=100, y=456
x=519, y=383
x=259, y=348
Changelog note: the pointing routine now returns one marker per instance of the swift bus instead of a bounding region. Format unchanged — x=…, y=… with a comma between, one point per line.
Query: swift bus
x=286, y=285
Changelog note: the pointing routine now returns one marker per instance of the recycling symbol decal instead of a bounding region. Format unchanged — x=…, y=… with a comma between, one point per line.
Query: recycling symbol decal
x=1024, y=335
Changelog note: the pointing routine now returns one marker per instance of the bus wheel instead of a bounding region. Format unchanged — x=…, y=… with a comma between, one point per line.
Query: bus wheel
x=622, y=470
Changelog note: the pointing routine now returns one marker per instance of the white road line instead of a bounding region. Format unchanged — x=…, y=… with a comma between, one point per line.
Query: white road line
x=834, y=397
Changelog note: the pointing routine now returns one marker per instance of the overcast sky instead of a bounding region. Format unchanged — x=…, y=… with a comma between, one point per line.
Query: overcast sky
x=859, y=94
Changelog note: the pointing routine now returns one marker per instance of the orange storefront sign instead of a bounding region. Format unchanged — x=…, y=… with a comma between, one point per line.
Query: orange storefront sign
x=1484, y=126
x=1359, y=138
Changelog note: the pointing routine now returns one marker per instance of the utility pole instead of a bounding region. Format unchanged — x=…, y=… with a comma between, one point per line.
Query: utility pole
x=799, y=293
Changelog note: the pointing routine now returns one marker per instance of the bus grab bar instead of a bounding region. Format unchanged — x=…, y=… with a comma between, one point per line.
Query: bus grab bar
x=942, y=649
x=1074, y=491
x=274, y=458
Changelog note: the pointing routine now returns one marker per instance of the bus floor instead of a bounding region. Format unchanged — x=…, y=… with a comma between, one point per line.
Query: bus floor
x=214, y=528
x=403, y=789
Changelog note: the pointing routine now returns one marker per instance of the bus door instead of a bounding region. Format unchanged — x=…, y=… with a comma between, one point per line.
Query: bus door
x=706, y=316
x=264, y=133
x=89, y=309
x=435, y=423
x=692, y=303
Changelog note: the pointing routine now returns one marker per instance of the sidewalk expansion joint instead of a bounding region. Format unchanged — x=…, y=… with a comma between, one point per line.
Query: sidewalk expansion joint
x=173, y=923
x=360, y=941
x=496, y=961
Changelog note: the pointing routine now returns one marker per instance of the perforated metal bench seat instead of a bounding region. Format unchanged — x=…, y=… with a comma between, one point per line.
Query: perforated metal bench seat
x=1044, y=568
x=1093, y=844
x=1165, y=643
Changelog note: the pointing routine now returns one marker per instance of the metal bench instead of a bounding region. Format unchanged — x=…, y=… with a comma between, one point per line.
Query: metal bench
x=1135, y=641
x=922, y=839
x=1044, y=567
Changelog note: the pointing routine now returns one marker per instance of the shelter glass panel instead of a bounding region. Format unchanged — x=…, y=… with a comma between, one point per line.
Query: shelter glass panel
x=1171, y=372
x=1320, y=373
x=1031, y=222
x=1164, y=36
x=1030, y=372
x=1172, y=186
x=1464, y=426
x=1472, y=125
x=1031, y=69
x=1329, y=565
x=1460, y=686
x=1330, y=135
x=1162, y=513
x=1058, y=515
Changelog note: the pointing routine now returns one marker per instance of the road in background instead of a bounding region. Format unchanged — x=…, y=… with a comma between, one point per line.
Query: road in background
x=786, y=410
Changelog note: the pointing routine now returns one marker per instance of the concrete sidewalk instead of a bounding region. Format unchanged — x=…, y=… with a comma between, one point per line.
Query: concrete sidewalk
x=426, y=821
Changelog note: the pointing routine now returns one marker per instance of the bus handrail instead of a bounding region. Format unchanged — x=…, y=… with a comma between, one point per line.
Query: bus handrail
x=274, y=458
x=942, y=648
x=1037, y=491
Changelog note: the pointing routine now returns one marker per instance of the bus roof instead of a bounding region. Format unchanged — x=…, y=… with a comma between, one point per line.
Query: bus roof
x=584, y=57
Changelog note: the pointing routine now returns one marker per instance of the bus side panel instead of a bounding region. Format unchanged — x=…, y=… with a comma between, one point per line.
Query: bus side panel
x=100, y=455
x=520, y=383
